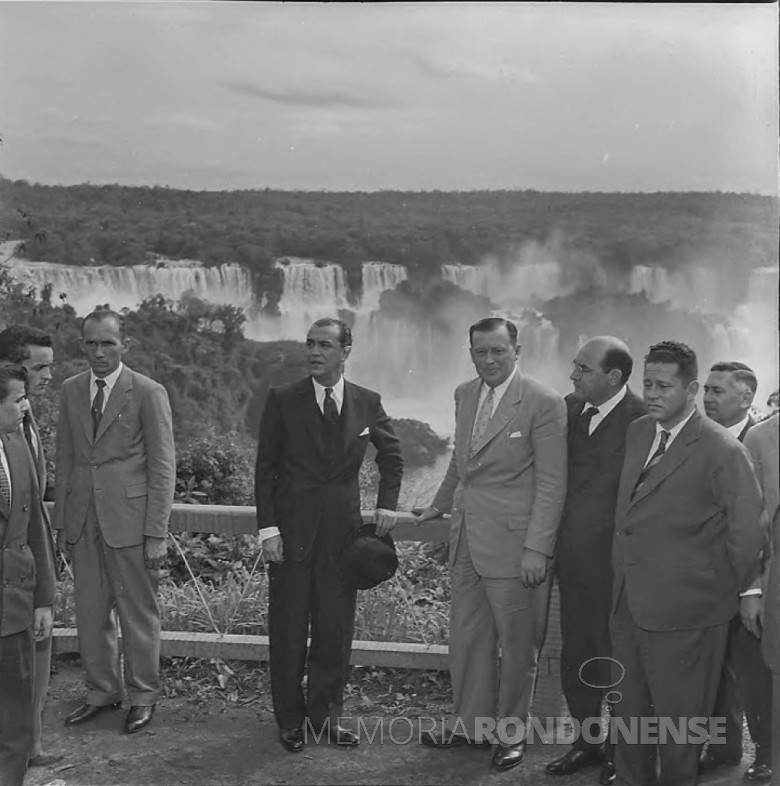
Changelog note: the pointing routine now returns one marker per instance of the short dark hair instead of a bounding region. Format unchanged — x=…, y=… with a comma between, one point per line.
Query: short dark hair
x=675, y=352
x=8, y=372
x=101, y=315
x=15, y=341
x=742, y=373
x=617, y=357
x=489, y=324
x=345, y=332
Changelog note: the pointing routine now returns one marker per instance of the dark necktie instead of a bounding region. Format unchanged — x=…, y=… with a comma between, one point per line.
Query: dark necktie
x=28, y=435
x=97, y=406
x=329, y=408
x=5, y=485
x=585, y=418
x=654, y=460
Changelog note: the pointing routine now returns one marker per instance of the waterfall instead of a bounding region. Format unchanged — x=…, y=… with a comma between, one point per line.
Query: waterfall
x=378, y=277
x=520, y=285
x=691, y=289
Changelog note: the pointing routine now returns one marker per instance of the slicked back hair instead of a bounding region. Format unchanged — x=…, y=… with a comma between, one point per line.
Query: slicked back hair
x=15, y=341
x=676, y=352
x=489, y=324
x=9, y=372
x=345, y=332
x=742, y=373
x=101, y=315
x=616, y=357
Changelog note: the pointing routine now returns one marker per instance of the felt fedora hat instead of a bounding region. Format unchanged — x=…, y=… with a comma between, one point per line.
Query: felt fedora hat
x=367, y=559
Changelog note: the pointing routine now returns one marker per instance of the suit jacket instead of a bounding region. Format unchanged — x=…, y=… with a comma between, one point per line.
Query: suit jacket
x=690, y=540
x=763, y=442
x=510, y=494
x=129, y=468
x=26, y=576
x=39, y=460
x=583, y=554
x=301, y=485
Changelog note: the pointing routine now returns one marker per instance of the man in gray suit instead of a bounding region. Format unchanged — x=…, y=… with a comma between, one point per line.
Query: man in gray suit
x=115, y=479
x=505, y=488
x=32, y=349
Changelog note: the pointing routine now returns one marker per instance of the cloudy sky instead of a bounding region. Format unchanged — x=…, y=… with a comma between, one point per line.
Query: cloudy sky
x=409, y=96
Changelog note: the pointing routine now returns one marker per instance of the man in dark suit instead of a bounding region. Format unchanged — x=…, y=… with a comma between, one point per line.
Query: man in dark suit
x=32, y=349
x=313, y=437
x=26, y=579
x=115, y=479
x=746, y=680
x=599, y=411
x=505, y=488
x=688, y=536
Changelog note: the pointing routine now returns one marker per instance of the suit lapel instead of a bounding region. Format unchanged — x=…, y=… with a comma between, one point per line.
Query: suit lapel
x=349, y=415
x=84, y=404
x=5, y=510
x=467, y=412
x=504, y=412
x=116, y=401
x=311, y=412
x=40, y=460
x=677, y=454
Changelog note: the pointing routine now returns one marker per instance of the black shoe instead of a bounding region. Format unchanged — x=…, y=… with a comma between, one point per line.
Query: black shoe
x=138, y=718
x=88, y=711
x=573, y=761
x=608, y=773
x=507, y=756
x=344, y=737
x=292, y=739
x=708, y=762
x=758, y=773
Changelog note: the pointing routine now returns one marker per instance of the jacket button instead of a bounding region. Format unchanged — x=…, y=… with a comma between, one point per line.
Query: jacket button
x=25, y=508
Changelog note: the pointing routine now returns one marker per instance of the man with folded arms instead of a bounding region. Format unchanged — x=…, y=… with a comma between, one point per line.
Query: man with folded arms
x=313, y=436
x=505, y=488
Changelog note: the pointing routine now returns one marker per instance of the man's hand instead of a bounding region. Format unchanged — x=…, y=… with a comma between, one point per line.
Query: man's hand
x=384, y=521
x=62, y=543
x=43, y=621
x=273, y=549
x=533, y=567
x=155, y=552
x=428, y=514
x=751, y=610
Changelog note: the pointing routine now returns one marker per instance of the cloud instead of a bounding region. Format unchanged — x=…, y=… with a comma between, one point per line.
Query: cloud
x=311, y=98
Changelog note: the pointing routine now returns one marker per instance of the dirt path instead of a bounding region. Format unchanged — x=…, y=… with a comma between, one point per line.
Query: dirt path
x=193, y=744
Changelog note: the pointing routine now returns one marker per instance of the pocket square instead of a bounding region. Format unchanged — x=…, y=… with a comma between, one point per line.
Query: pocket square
x=515, y=434
x=364, y=432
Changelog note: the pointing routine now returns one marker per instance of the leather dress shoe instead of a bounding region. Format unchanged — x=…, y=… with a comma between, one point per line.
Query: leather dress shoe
x=708, y=762
x=45, y=760
x=292, y=739
x=447, y=740
x=139, y=718
x=338, y=735
x=758, y=773
x=507, y=756
x=573, y=761
x=608, y=773
x=88, y=711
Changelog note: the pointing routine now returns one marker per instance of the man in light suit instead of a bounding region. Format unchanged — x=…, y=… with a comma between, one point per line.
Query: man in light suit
x=746, y=680
x=761, y=614
x=688, y=535
x=313, y=437
x=115, y=480
x=600, y=412
x=32, y=349
x=505, y=488
x=26, y=579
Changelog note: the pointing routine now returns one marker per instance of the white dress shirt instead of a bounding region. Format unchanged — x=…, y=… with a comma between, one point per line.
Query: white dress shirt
x=673, y=432
x=736, y=429
x=603, y=409
x=110, y=381
x=498, y=392
x=4, y=462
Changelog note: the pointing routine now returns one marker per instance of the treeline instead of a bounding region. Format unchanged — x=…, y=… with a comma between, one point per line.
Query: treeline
x=119, y=225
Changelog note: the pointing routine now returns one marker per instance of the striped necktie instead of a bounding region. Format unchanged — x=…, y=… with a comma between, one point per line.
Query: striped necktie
x=5, y=485
x=481, y=421
x=654, y=460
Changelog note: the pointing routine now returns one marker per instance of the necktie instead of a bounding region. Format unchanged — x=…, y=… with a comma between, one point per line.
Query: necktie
x=5, y=485
x=654, y=459
x=481, y=421
x=97, y=406
x=28, y=435
x=329, y=408
x=585, y=419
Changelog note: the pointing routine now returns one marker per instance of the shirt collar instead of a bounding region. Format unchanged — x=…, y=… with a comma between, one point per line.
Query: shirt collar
x=607, y=407
x=110, y=380
x=675, y=430
x=338, y=389
x=498, y=390
x=737, y=428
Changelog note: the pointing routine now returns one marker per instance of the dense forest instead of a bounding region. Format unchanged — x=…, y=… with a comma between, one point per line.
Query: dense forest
x=119, y=225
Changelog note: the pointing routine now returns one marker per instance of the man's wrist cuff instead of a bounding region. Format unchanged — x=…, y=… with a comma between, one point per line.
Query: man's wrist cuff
x=754, y=591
